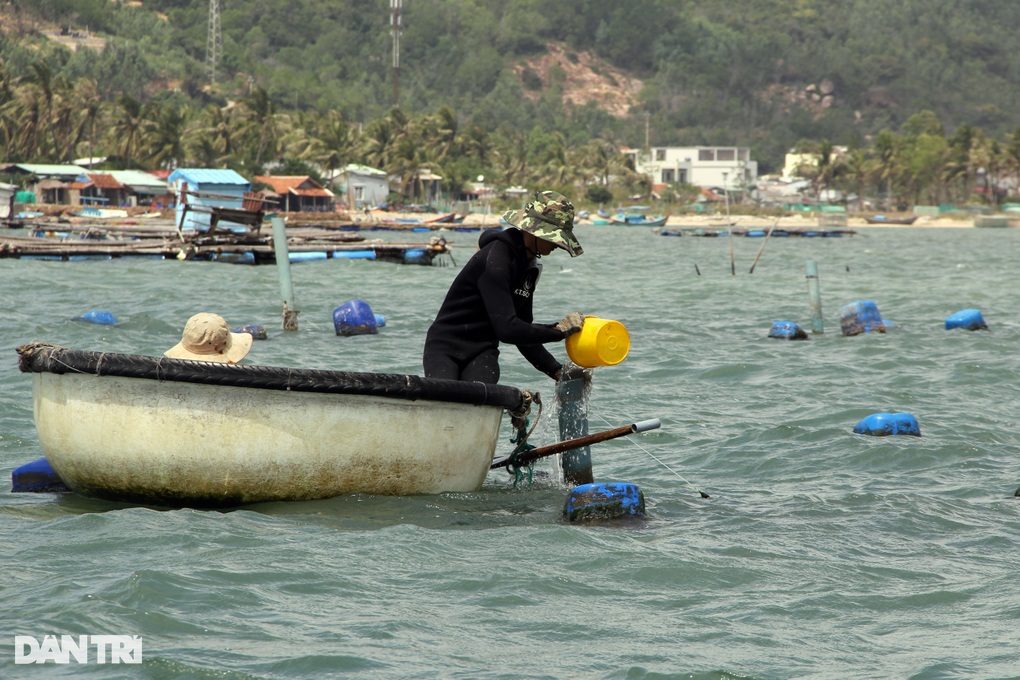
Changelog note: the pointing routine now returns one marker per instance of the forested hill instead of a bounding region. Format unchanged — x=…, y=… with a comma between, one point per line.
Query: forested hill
x=762, y=73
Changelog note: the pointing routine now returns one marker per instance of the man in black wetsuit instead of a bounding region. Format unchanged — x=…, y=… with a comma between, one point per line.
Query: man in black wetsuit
x=490, y=300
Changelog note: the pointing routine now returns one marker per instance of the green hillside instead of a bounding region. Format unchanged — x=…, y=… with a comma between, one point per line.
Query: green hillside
x=309, y=81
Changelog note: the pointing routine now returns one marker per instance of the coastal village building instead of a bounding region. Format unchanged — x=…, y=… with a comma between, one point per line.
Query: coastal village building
x=76, y=185
x=7, y=193
x=47, y=181
x=726, y=167
x=362, y=186
x=97, y=189
x=297, y=193
x=794, y=164
x=143, y=188
x=201, y=193
x=426, y=185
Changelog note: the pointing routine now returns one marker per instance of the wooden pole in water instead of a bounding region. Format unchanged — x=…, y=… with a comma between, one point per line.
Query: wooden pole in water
x=815, y=296
x=290, y=310
x=760, y=250
x=733, y=262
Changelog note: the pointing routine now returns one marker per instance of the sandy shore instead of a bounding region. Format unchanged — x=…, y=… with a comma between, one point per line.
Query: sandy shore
x=720, y=221
x=795, y=221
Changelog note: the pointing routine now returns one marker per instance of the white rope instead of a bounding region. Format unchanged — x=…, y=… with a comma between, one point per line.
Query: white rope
x=659, y=461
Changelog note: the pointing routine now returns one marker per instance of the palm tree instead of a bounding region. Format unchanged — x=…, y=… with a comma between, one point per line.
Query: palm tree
x=1011, y=155
x=126, y=131
x=87, y=101
x=337, y=142
x=887, y=148
x=165, y=137
x=441, y=134
x=261, y=128
x=603, y=161
x=827, y=167
x=957, y=170
x=212, y=140
x=983, y=160
x=860, y=171
x=510, y=158
x=377, y=142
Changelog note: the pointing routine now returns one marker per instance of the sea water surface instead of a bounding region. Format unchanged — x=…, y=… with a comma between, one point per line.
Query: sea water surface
x=819, y=553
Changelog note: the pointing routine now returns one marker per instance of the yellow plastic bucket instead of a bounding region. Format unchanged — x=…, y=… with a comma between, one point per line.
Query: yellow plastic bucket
x=600, y=342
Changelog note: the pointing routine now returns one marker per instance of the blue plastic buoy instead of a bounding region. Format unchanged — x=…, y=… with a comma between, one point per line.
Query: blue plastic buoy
x=100, y=316
x=256, y=331
x=380, y=320
x=355, y=317
x=416, y=256
x=787, y=330
x=861, y=317
x=36, y=476
x=969, y=319
x=353, y=255
x=885, y=424
x=604, y=500
x=307, y=256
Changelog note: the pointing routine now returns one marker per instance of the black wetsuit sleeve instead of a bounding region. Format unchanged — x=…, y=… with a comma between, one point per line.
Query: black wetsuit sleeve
x=539, y=357
x=496, y=288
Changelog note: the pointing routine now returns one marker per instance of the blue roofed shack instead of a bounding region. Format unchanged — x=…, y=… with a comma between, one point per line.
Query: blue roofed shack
x=199, y=191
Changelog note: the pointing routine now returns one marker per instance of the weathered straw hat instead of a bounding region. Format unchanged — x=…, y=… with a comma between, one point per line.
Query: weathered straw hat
x=207, y=337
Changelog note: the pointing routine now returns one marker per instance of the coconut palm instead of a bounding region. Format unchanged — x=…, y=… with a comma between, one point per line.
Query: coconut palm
x=127, y=128
x=164, y=137
x=337, y=142
x=212, y=141
x=887, y=150
x=859, y=170
x=262, y=125
x=87, y=101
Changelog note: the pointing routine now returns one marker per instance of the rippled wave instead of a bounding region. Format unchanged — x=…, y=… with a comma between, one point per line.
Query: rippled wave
x=819, y=554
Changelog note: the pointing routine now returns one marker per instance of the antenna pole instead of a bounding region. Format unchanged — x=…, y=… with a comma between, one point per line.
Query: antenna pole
x=214, y=41
x=396, y=27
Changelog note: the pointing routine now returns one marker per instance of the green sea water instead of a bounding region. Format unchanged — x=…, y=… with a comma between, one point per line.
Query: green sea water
x=819, y=554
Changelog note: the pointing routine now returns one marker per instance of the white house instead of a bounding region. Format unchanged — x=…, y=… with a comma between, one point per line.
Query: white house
x=362, y=186
x=795, y=162
x=729, y=167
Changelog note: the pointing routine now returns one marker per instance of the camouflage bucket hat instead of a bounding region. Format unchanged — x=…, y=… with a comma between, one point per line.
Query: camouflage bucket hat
x=549, y=216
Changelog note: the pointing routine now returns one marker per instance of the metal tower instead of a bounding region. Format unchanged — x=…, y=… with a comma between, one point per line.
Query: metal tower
x=214, y=41
x=396, y=27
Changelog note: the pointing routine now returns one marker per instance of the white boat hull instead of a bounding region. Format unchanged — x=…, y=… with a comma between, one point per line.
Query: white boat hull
x=169, y=442
x=127, y=438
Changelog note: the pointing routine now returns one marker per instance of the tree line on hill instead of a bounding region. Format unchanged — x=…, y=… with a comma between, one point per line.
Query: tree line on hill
x=305, y=88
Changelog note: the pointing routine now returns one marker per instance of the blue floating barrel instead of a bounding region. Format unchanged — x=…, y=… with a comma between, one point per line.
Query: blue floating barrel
x=787, y=330
x=969, y=319
x=885, y=424
x=861, y=317
x=354, y=317
x=353, y=254
x=604, y=500
x=100, y=316
x=256, y=331
x=416, y=256
x=36, y=476
x=307, y=256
